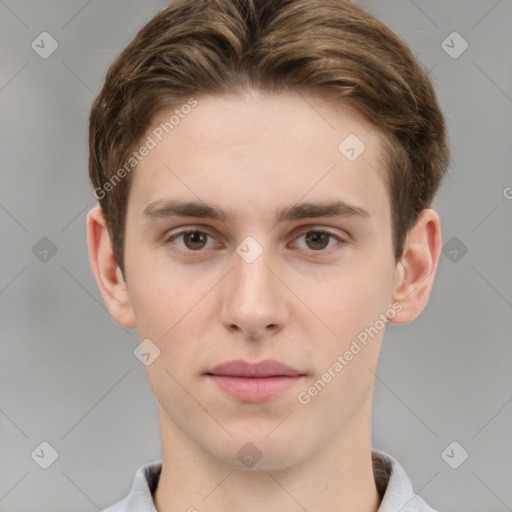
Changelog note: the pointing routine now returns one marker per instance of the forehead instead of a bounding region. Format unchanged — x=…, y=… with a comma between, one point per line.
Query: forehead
x=256, y=153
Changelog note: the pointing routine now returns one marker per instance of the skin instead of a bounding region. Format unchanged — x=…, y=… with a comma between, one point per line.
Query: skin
x=302, y=301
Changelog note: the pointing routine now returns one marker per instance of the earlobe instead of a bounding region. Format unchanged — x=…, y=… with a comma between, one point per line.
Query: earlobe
x=106, y=270
x=415, y=272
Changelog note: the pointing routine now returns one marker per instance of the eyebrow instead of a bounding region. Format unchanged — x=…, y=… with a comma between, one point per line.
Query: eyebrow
x=174, y=208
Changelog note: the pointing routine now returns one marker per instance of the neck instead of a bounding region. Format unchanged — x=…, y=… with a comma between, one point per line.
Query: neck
x=337, y=477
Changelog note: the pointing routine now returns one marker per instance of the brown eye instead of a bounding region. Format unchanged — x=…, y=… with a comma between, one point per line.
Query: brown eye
x=190, y=240
x=317, y=240
x=194, y=240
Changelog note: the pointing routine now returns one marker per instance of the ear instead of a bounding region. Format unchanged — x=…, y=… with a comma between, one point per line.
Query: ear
x=415, y=272
x=106, y=270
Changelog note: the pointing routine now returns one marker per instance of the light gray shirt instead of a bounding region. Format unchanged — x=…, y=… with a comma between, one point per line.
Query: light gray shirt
x=392, y=483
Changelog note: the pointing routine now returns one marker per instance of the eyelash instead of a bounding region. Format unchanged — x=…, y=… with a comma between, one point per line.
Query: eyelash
x=170, y=239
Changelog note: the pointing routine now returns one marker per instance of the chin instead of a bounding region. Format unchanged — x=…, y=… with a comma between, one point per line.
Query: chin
x=258, y=452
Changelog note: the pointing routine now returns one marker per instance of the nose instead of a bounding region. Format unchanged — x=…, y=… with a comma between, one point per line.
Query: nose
x=254, y=301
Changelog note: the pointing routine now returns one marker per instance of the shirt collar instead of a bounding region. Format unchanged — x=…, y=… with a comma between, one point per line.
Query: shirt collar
x=392, y=482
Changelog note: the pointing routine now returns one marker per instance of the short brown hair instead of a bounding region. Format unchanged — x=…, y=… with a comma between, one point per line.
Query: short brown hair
x=220, y=47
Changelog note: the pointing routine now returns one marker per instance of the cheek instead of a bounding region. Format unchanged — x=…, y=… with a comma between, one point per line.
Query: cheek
x=161, y=304
x=158, y=294
x=352, y=300
x=173, y=308
x=355, y=311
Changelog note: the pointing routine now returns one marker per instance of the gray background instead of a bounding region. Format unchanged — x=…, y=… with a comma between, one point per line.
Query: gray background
x=68, y=375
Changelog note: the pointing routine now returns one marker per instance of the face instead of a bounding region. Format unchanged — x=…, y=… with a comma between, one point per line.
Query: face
x=253, y=235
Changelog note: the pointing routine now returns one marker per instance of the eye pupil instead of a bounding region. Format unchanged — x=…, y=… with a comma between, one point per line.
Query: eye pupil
x=317, y=238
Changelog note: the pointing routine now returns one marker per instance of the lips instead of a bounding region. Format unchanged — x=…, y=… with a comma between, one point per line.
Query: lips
x=254, y=382
x=267, y=368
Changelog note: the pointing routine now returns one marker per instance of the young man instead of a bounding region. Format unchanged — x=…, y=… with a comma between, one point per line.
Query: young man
x=264, y=171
